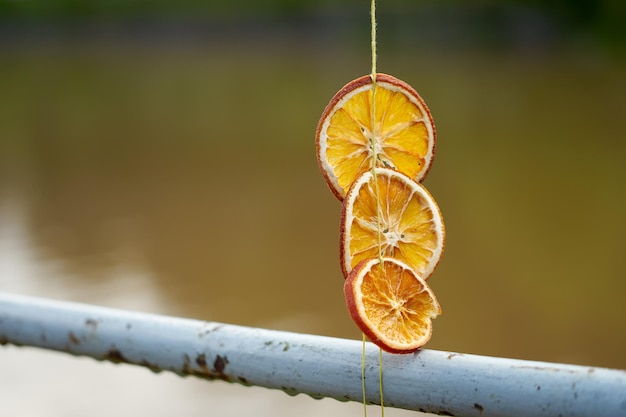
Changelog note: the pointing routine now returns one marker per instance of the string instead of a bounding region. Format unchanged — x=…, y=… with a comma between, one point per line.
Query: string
x=363, y=377
x=374, y=146
x=373, y=139
x=373, y=24
x=380, y=382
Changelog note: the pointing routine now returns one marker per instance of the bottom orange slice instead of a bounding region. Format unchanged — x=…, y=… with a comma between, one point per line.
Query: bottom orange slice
x=391, y=304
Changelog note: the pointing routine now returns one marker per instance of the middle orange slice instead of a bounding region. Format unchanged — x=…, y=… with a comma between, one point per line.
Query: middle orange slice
x=385, y=213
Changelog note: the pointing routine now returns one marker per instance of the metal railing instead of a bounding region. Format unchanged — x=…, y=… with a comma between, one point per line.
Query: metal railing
x=438, y=382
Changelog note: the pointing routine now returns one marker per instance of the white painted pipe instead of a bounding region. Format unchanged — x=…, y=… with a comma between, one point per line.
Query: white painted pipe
x=432, y=381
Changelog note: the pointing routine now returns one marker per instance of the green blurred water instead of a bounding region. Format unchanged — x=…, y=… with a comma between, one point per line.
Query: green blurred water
x=193, y=166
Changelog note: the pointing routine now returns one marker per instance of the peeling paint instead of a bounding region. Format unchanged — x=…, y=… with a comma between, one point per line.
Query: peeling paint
x=452, y=355
x=546, y=369
x=208, y=329
x=92, y=323
x=205, y=372
x=286, y=345
x=220, y=364
x=115, y=356
x=201, y=360
x=72, y=338
x=290, y=390
x=154, y=368
x=187, y=370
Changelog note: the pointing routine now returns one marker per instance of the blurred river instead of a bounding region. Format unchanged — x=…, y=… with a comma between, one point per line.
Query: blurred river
x=182, y=180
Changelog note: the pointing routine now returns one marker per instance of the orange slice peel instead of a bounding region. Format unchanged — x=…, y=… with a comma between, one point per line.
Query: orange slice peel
x=403, y=138
x=391, y=304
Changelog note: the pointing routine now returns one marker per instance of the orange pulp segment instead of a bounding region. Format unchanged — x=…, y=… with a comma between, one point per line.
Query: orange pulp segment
x=391, y=304
x=405, y=222
x=403, y=137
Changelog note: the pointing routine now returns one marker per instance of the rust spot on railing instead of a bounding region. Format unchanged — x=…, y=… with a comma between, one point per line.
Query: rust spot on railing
x=115, y=356
x=201, y=361
x=72, y=337
x=151, y=366
x=217, y=372
x=92, y=323
x=220, y=364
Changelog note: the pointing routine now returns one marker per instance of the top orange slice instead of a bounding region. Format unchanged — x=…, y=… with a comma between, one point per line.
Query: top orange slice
x=403, y=137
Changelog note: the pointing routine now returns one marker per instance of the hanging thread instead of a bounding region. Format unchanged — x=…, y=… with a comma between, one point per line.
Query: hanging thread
x=374, y=146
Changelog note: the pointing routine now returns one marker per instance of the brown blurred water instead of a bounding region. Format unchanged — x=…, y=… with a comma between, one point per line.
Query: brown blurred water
x=182, y=180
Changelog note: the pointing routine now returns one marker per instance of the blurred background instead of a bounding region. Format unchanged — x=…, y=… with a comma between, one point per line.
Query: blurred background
x=159, y=157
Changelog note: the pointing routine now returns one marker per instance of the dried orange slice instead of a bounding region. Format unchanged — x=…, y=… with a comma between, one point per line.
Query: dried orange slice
x=403, y=137
x=405, y=221
x=391, y=304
